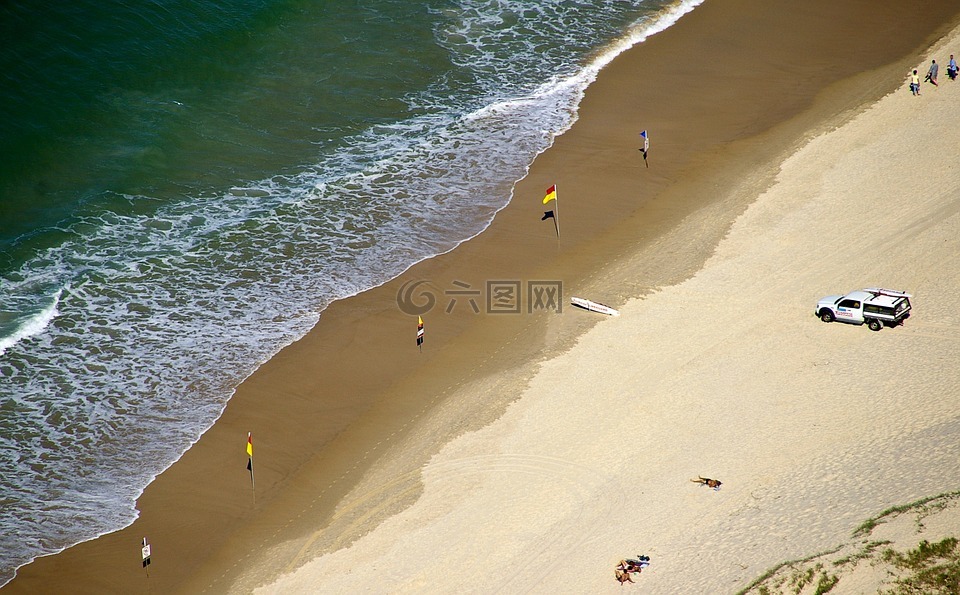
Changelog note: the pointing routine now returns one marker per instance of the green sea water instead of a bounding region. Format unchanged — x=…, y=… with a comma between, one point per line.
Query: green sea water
x=106, y=100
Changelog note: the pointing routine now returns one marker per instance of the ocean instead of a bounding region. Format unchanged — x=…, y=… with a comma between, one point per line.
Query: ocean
x=185, y=185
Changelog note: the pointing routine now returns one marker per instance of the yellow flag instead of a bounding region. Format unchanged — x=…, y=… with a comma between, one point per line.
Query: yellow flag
x=249, y=444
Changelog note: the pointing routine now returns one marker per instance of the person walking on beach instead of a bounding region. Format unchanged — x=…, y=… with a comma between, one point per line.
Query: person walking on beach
x=915, y=83
x=932, y=73
x=952, y=68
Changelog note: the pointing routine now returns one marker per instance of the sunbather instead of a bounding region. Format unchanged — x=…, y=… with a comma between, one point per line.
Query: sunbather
x=706, y=481
x=623, y=576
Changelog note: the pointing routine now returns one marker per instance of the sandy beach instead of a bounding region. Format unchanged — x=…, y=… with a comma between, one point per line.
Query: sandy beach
x=813, y=428
x=530, y=452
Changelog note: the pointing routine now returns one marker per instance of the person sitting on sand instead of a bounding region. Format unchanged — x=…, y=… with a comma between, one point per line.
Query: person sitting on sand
x=623, y=576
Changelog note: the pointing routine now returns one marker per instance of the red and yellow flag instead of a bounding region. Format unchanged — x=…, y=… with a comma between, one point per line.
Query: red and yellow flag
x=551, y=194
x=250, y=444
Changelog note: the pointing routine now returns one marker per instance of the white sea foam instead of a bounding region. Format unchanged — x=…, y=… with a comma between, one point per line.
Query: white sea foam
x=33, y=325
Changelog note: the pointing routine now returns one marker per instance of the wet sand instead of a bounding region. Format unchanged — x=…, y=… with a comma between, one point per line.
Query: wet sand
x=345, y=420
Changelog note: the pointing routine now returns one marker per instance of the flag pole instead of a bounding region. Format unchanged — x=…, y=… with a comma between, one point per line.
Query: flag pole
x=553, y=213
x=420, y=333
x=145, y=555
x=556, y=219
x=253, y=482
x=646, y=147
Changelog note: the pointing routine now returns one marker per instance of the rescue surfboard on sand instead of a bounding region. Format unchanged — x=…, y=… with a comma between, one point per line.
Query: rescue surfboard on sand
x=593, y=306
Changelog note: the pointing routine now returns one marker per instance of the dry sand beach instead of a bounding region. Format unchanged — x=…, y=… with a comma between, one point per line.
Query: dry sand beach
x=530, y=453
x=813, y=428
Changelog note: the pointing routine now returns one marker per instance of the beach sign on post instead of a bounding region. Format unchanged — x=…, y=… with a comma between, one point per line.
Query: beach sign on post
x=555, y=213
x=646, y=147
x=145, y=554
x=420, y=333
x=253, y=483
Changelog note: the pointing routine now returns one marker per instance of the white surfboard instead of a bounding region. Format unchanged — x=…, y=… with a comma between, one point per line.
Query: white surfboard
x=593, y=306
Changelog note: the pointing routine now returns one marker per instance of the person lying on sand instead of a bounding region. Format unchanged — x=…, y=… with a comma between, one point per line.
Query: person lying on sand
x=706, y=481
x=629, y=566
x=640, y=563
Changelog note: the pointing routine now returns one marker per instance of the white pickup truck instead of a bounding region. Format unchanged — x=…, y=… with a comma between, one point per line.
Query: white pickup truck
x=874, y=306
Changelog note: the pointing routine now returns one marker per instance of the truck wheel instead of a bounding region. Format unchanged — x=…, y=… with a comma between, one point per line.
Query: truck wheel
x=875, y=325
x=826, y=316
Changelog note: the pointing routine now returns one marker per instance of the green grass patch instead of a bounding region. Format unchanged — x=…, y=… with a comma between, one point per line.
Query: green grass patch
x=941, y=501
x=865, y=552
x=934, y=568
x=929, y=569
x=826, y=583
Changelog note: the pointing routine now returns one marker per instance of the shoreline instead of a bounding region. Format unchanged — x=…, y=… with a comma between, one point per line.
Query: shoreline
x=219, y=506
